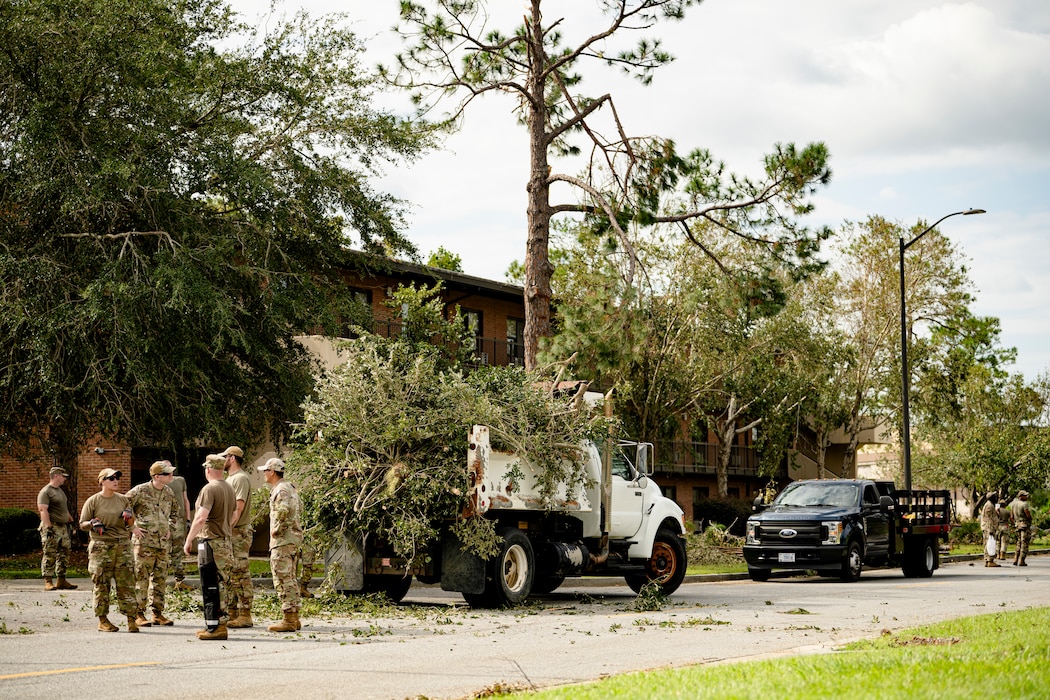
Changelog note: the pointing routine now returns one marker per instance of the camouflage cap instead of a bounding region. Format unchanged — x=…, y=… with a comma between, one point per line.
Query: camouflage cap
x=273, y=464
x=232, y=450
x=59, y=471
x=107, y=473
x=161, y=467
x=214, y=462
x=1022, y=494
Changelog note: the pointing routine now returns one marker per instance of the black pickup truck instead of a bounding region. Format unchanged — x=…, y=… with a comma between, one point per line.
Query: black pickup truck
x=837, y=526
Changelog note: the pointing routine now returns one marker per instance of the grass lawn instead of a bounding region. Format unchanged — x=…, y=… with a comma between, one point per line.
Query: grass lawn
x=998, y=655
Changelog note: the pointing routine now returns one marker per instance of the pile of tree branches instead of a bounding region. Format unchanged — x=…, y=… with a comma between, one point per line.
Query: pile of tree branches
x=382, y=451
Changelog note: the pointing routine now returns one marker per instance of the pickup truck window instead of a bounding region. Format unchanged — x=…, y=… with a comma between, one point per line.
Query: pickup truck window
x=814, y=493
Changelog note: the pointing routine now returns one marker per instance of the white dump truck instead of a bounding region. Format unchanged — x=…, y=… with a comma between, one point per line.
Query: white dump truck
x=617, y=524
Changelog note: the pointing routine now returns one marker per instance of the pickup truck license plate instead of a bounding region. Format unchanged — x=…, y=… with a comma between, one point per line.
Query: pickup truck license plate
x=786, y=557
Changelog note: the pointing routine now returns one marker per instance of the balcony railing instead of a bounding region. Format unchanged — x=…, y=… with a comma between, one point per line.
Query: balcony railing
x=487, y=351
x=678, y=457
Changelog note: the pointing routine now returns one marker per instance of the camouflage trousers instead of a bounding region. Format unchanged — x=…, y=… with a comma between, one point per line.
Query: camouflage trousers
x=112, y=561
x=213, y=560
x=240, y=592
x=282, y=565
x=307, y=557
x=151, y=577
x=56, y=543
x=1003, y=541
x=175, y=561
x=1024, y=537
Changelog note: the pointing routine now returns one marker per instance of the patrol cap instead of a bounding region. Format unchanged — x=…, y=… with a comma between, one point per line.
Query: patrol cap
x=214, y=462
x=232, y=450
x=1022, y=494
x=274, y=464
x=58, y=470
x=161, y=467
x=107, y=473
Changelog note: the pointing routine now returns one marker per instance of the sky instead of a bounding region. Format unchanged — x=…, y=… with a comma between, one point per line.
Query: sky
x=927, y=108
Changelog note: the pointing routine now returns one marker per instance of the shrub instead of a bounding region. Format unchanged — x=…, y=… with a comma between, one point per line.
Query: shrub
x=966, y=532
x=732, y=513
x=22, y=525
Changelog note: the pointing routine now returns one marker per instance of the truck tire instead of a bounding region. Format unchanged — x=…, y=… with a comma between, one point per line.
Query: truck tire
x=509, y=576
x=853, y=563
x=920, y=558
x=666, y=566
x=760, y=575
x=395, y=588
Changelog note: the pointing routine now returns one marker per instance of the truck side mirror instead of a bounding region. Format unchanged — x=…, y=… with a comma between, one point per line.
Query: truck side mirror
x=758, y=504
x=886, y=503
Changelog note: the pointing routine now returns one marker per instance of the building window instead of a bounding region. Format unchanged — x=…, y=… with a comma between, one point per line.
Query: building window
x=358, y=312
x=670, y=492
x=515, y=341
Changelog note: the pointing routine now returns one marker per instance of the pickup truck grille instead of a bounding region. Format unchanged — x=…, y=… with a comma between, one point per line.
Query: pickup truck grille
x=773, y=533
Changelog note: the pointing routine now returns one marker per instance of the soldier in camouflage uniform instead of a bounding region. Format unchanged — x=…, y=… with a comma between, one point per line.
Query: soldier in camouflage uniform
x=181, y=525
x=155, y=511
x=286, y=536
x=211, y=532
x=1006, y=525
x=107, y=516
x=240, y=590
x=1022, y=515
x=54, y=531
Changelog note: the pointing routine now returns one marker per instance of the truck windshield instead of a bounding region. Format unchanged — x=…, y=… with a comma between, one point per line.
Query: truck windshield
x=815, y=493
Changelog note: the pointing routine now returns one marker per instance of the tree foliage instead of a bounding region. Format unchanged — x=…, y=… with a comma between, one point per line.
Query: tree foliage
x=383, y=445
x=176, y=196
x=453, y=56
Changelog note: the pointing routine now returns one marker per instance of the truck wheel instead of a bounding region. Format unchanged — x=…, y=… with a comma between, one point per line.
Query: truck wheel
x=509, y=576
x=919, y=560
x=760, y=575
x=395, y=588
x=853, y=564
x=666, y=566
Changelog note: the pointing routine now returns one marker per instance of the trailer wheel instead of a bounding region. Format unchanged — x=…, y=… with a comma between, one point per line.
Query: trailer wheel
x=666, y=566
x=509, y=576
x=760, y=575
x=854, y=563
x=395, y=588
x=920, y=559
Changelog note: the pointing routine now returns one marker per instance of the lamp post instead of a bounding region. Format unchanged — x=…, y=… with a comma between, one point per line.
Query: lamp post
x=906, y=419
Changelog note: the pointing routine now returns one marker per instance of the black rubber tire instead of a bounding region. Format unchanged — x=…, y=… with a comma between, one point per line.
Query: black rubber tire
x=920, y=559
x=666, y=566
x=510, y=576
x=760, y=575
x=853, y=564
x=395, y=588
x=546, y=583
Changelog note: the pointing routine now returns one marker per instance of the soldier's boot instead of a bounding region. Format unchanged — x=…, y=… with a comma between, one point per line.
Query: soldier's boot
x=104, y=625
x=991, y=562
x=240, y=618
x=1021, y=562
x=304, y=592
x=132, y=624
x=141, y=621
x=181, y=585
x=219, y=632
x=64, y=585
x=48, y=585
x=298, y=622
x=290, y=623
x=160, y=621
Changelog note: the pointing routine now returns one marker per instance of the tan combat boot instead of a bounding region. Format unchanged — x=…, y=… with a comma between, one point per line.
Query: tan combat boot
x=160, y=621
x=104, y=625
x=289, y=624
x=304, y=592
x=48, y=585
x=141, y=620
x=132, y=625
x=64, y=585
x=219, y=632
x=240, y=618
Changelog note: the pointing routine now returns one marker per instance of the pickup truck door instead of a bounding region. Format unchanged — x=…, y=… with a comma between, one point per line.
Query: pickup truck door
x=628, y=498
x=876, y=523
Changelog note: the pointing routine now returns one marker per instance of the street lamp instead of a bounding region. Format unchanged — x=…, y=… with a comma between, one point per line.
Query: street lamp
x=906, y=436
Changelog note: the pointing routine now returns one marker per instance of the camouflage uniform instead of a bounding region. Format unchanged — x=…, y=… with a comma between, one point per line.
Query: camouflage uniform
x=286, y=536
x=179, y=528
x=109, y=554
x=240, y=593
x=55, y=540
x=1006, y=521
x=307, y=557
x=1022, y=516
x=155, y=514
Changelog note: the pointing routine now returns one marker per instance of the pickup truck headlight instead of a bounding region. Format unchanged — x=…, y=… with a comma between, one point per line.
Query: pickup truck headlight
x=752, y=532
x=831, y=531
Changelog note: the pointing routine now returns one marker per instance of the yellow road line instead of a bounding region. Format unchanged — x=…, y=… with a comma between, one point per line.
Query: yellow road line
x=76, y=670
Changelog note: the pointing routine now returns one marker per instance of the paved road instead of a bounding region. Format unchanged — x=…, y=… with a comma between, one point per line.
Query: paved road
x=438, y=648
